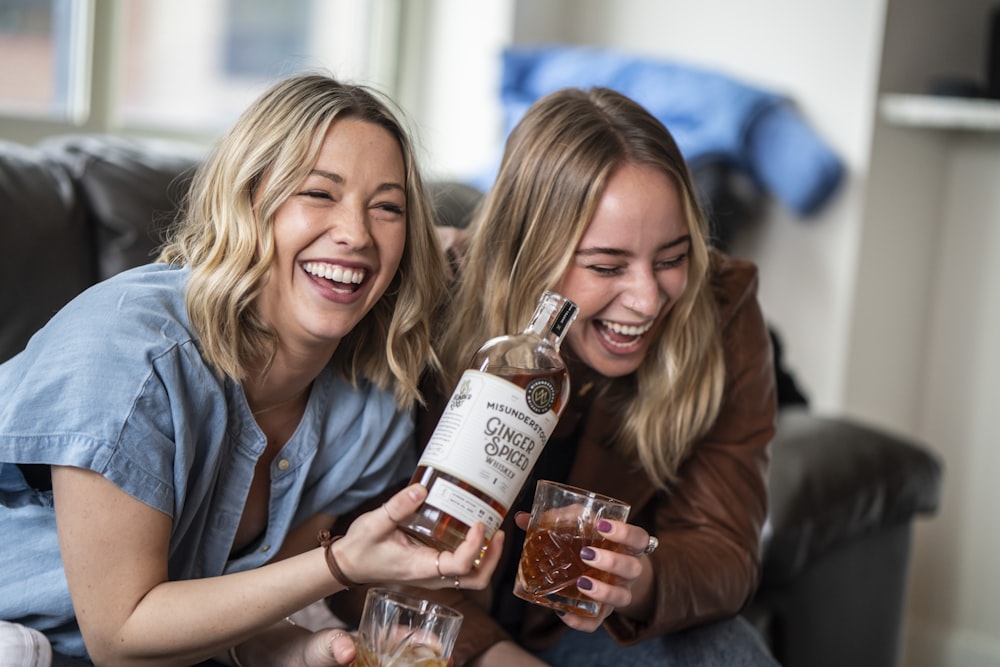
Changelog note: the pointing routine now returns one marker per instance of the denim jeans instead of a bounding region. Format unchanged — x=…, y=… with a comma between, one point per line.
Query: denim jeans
x=729, y=643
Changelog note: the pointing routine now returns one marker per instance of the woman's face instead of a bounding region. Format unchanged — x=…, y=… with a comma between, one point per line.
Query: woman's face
x=338, y=238
x=628, y=271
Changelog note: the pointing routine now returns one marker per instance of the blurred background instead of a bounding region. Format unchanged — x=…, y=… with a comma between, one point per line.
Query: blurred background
x=886, y=297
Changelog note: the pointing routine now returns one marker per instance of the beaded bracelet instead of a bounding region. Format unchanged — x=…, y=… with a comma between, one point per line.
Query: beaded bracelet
x=326, y=542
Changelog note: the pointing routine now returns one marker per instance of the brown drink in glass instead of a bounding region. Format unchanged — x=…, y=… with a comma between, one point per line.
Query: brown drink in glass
x=563, y=521
x=401, y=630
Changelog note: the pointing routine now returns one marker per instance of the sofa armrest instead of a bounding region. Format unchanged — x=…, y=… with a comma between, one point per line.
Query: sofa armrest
x=833, y=480
x=133, y=188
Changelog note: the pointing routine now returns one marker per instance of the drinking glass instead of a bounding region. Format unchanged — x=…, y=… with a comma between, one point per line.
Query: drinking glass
x=401, y=630
x=563, y=521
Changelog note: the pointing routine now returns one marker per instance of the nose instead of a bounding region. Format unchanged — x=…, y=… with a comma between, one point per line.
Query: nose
x=642, y=295
x=350, y=226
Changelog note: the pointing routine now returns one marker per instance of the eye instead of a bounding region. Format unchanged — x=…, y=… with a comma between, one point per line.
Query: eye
x=671, y=263
x=389, y=207
x=316, y=194
x=604, y=270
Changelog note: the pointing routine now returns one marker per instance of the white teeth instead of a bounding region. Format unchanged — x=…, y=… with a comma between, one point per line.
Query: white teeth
x=337, y=274
x=626, y=329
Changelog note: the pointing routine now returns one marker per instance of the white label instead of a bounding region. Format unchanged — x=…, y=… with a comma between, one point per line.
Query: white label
x=488, y=436
x=463, y=505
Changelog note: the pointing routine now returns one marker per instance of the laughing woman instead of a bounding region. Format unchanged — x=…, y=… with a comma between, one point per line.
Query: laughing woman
x=204, y=417
x=673, y=400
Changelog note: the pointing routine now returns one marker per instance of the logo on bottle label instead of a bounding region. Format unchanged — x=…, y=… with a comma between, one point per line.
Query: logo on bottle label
x=461, y=394
x=540, y=395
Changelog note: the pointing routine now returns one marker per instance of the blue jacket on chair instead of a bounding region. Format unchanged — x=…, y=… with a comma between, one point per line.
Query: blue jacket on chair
x=711, y=116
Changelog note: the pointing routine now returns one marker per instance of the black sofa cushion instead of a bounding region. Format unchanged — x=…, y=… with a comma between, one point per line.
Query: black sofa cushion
x=834, y=480
x=132, y=187
x=46, y=256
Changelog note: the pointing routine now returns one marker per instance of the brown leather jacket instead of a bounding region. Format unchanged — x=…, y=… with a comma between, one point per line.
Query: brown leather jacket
x=709, y=525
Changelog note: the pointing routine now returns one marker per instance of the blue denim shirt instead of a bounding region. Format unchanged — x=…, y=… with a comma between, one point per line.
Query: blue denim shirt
x=115, y=383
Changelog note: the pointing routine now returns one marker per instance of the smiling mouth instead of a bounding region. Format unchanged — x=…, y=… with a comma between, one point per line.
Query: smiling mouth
x=341, y=278
x=621, y=336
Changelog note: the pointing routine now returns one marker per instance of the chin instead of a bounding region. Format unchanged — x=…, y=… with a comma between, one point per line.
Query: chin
x=613, y=368
x=617, y=371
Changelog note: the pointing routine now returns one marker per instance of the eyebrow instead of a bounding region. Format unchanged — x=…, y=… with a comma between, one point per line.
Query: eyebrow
x=618, y=252
x=339, y=180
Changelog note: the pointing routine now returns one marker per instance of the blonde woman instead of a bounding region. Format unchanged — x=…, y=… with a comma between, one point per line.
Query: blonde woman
x=206, y=416
x=673, y=401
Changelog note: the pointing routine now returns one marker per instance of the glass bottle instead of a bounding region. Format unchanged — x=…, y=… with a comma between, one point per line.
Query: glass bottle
x=493, y=429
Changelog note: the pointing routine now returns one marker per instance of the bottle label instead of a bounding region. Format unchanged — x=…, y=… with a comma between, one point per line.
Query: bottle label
x=490, y=435
x=462, y=505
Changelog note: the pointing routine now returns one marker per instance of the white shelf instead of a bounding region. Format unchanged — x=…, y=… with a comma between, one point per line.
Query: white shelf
x=946, y=113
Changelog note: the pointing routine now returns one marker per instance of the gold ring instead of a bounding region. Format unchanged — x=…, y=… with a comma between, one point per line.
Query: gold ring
x=651, y=546
x=386, y=510
x=437, y=566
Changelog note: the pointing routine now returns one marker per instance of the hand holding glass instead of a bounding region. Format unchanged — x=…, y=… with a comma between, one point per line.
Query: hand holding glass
x=564, y=521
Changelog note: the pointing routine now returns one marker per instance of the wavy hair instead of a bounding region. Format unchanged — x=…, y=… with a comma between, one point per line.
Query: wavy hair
x=226, y=236
x=555, y=166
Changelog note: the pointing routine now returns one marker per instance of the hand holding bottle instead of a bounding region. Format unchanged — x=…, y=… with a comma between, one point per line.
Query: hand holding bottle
x=374, y=550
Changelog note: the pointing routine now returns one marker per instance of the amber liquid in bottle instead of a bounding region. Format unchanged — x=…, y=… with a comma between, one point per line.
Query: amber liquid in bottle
x=492, y=431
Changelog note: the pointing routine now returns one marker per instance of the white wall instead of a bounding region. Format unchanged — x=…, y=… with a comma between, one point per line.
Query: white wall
x=887, y=300
x=955, y=597
x=450, y=79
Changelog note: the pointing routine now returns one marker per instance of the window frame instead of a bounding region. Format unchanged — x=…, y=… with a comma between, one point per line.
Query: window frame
x=96, y=66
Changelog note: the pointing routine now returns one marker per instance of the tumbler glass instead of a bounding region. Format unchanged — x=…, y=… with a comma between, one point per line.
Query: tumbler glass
x=401, y=630
x=563, y=521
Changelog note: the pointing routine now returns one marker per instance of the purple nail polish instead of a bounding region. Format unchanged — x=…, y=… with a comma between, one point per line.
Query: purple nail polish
x=604, y=526
x=587, y=553
x=584, y=584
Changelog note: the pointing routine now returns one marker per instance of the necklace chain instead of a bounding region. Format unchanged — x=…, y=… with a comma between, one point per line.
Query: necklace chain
x=280, y=404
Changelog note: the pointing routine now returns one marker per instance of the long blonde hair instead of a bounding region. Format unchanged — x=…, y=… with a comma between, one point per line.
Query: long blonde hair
x=225, y=236
x=554, y=169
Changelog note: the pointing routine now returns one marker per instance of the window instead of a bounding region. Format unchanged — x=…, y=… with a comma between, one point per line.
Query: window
x=196, y=64
x=44, y=58
x=183, y=67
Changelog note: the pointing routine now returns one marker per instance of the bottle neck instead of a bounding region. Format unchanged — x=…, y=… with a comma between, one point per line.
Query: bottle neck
x=553, y=316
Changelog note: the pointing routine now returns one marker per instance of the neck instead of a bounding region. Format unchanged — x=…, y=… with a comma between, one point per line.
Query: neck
x=285, y=381
x=276, y=389
x=263, y=407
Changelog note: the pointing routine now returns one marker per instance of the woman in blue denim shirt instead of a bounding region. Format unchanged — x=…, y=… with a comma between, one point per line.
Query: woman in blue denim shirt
x=204, y=417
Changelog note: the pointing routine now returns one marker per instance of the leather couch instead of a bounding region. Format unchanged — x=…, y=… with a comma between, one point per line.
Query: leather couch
x=76, y=209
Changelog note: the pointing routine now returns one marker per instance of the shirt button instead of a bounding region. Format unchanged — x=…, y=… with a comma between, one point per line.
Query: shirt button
x=283, y=464
x=265, y=548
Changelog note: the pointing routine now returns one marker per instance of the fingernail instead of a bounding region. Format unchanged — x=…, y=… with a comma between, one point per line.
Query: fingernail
x=416, y=492
x=587, y=553
x=583, y=583
x=560, y=613
x=604, y=526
